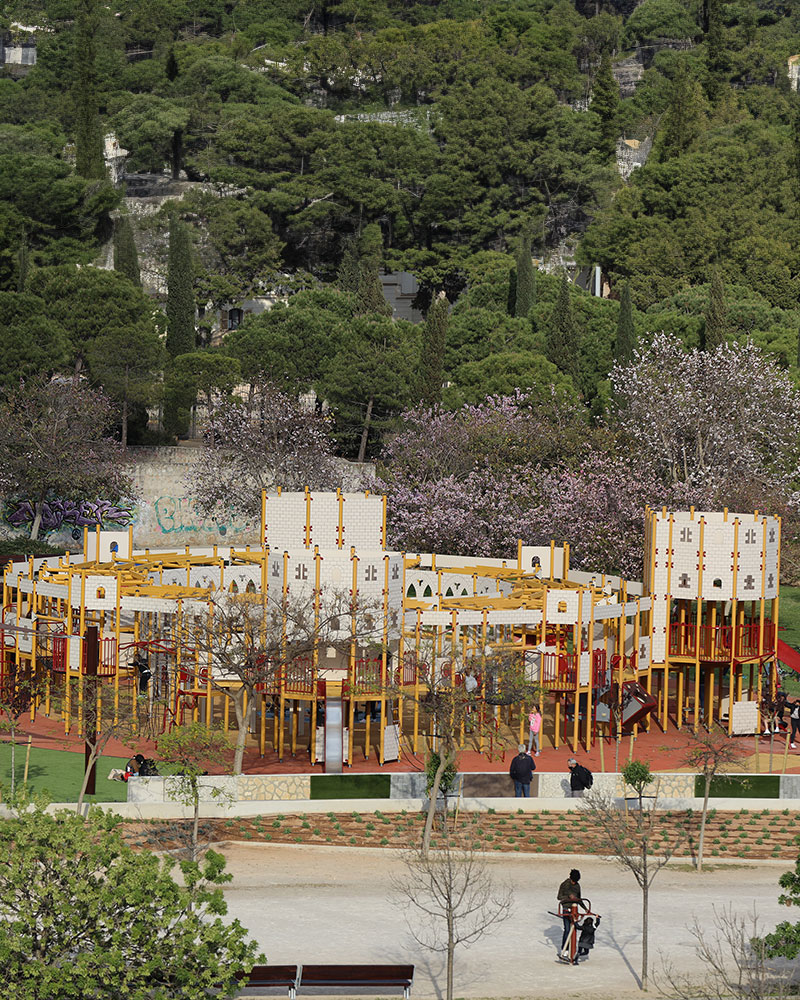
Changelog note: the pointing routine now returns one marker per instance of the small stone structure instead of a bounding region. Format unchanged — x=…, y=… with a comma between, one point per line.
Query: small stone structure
x=628, y=72
x=632, y=153
x=793, y=70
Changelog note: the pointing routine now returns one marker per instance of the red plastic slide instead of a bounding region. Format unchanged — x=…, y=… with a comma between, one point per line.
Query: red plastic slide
x=789, y=656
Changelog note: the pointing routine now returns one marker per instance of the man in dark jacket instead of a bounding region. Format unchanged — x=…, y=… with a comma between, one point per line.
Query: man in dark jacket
x=521, y=770
x=569, y=895
x=580, y=778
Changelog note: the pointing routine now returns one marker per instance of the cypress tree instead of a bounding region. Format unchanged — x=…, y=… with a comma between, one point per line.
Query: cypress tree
x=605, y=104
x=171, y=67
x=23, y=264
x=716, y=328
x=126, y=259
x=683, y=120
x=180, y=297
x=511, y=301
x=89, y=160
x=434, y=341
x=716, y=54
x=349, y=272
x=370, y=291
x=626, y=332
x=562, y=336
x=526, y=280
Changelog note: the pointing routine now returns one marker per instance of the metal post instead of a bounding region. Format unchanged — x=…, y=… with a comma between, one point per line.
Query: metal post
x=92, y=654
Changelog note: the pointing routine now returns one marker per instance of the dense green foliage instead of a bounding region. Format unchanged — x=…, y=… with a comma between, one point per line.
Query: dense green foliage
x=86, y=915
x=461, y=141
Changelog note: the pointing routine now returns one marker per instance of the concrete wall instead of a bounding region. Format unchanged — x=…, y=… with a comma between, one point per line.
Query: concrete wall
x=676, y=790
x=163, y=512
x=166, y=515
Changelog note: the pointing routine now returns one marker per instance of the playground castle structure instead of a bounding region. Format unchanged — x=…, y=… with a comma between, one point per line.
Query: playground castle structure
x=695, y=642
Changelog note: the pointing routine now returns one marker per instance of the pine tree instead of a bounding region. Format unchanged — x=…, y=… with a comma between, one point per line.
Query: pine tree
x=434, y=341
x=180, y=297
x=526, y=280
x=126, y=259
x=716, y=328
x=626, y=332
x=605, y=104
x=562, y=336
x=349, y=271
x=89, y=160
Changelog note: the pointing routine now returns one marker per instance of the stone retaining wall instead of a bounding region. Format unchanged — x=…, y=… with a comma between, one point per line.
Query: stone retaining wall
x=488, y=785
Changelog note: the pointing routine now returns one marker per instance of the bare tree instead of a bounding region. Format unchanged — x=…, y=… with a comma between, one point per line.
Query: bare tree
x=100, y=730
x=246, y=642
x=189, y=749
x=736, y=963
x=449, y=708
x=18, y=692
x=450, y=897
x=629, y=837
x=710, y=753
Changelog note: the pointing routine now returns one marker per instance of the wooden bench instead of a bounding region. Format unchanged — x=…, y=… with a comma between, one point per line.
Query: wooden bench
x=313, y=978
x=317, y=977
x=275, y=976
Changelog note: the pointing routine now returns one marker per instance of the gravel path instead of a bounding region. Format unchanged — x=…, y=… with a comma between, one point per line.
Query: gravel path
x=319, y=904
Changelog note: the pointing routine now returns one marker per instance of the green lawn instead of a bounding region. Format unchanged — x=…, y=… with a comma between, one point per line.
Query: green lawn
x=60, y=774
x=789, y=619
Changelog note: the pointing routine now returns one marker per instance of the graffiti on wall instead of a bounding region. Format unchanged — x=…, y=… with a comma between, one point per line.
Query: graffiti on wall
x=179, y=514
x=78, y=514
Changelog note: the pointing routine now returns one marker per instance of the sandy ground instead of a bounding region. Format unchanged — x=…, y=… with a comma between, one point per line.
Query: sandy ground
x=335, y=905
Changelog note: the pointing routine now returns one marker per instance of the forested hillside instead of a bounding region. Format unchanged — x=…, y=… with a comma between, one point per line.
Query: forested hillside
x=314, y=146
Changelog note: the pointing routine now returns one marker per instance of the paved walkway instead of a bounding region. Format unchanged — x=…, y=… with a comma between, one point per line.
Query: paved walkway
x=334, y=905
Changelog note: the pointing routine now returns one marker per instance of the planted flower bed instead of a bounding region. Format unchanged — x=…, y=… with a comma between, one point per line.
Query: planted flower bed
x=748, y=834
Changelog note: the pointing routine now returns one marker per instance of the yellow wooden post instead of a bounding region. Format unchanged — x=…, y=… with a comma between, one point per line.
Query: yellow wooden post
x=81, y=647
x=577, y=646
x=384, y=679
x=351, y=668
x=590, y=696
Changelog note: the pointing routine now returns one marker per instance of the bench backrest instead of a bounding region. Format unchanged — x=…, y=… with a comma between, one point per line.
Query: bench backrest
x=353, y=975
x=270, y=975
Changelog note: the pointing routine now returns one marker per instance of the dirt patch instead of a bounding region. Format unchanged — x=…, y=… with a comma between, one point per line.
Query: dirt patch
x=743, y=834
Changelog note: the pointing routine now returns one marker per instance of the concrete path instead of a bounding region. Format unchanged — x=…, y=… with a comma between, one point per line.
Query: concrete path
x=334, y=905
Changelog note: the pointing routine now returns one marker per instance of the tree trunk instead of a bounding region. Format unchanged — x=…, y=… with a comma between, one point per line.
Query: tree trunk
x=177, y=153
x=645, y=893
x=37, y=516
x=241, y=735
x=703, y=817
x=362, y=448
x=210, y=410
x=13, y=762
x=87, y=771
x=445, y=760
x=451, y=947
x=196, y=822
x=125, y=423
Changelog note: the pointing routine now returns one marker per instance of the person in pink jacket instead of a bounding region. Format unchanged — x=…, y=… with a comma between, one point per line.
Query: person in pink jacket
x=535, y=723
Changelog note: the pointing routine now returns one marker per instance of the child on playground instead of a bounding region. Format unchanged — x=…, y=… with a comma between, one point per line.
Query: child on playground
x=535, y=725
x=586, y=940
